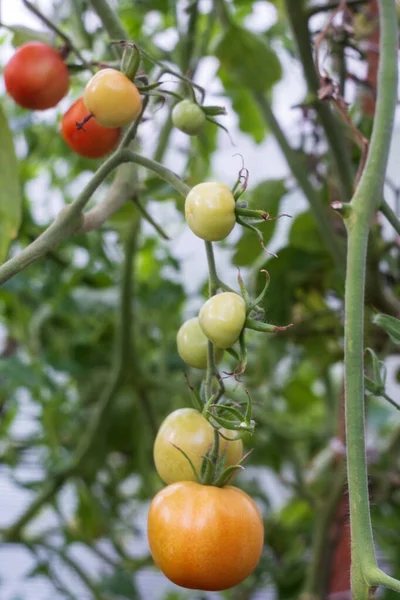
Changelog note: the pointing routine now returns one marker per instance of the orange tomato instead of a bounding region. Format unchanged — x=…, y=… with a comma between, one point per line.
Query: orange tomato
x=204, y=537
x=36, y=77
x=93, y=140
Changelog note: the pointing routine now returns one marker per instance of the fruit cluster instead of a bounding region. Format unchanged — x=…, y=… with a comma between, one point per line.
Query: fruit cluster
x=199, y=512
x=37, y=78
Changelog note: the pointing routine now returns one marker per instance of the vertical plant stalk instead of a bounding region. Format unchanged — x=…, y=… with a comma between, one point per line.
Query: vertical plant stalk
x=365, y=202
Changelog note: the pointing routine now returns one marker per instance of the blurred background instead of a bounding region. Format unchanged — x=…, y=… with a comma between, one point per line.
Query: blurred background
x=58, y=317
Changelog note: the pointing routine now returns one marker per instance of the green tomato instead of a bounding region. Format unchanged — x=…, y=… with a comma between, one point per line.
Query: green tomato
x=190, y=431
x=210, y=211
x=193, y=345
x=222, y=318
x=189, y=117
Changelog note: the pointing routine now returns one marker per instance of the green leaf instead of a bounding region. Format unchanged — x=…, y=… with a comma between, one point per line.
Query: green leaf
x=304, y=234
x=249, y=58
x=10, y=197
x=250, y=118
x=22, y=35
x=390, y=324
x=266, y=196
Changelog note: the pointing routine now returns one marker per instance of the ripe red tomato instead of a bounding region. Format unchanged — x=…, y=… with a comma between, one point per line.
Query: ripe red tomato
x=204, y=537
x=93, y=141
x=36, y=77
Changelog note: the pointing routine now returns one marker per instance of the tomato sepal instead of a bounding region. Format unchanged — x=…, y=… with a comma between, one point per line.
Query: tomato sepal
x=189, y=461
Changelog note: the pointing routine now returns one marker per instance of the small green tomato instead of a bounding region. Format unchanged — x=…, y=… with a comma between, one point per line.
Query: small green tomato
x=193, y=345
x=210, y=211
x=189, y=117
x=222, y=318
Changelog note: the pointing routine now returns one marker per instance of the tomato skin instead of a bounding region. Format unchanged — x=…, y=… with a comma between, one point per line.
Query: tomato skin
x=93, y=140
x=210, y=211
x=112, y=98
x=222, y=318
x=188, y=117
x=190, y=431
x=36, y=76
x=193, y=345
x=204, y=537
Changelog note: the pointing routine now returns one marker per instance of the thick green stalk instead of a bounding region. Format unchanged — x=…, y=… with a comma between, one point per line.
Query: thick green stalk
x=299, y=170
x=334, y=131
x=111, y=23
x=363, y=206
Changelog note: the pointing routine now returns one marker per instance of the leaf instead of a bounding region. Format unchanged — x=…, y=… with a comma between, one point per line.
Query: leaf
x=250, y=118
x=266, y=196
x=10, y=197
x=249, y=58
x=22, y=35
x=304, y=234
x=390, y=324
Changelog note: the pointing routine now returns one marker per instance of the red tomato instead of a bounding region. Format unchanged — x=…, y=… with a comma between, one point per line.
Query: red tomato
x=36, y=77
x=93, y=140
x=203, y=537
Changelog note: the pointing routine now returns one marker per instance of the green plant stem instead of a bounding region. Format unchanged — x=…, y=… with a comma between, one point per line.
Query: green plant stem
x=111, y=23
x=299, y=169
x=333, y=127
x=390, y=216
x=213, y=288
x=131, y=132
x=364, y=204
x=71, y=218
x=67, y=223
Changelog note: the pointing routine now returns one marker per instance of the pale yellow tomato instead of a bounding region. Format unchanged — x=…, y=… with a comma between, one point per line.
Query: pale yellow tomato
x=210, y=211
x=222, y=318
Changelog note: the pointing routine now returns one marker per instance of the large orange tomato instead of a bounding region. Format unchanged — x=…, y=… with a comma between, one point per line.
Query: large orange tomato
x=204, y=537
x=92, y=140
x=36, y=76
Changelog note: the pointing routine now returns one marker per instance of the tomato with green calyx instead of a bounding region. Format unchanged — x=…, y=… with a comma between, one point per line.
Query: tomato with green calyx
x=36, y=76
x=210, y=211
x=189, y=117
x=205, y=537
x=222, y=318
x=91, y=140
x=187, y=429
x=112, y=98
x=193, y=345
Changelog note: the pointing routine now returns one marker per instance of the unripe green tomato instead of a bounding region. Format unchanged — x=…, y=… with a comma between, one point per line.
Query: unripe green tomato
x=190, y=431
x=210, y=211
x=222, y=318
x=189, y=117
x=193, y=345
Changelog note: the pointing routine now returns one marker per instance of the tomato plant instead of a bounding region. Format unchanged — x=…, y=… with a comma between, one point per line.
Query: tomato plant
x=189, y=117
x=91, y=140
x=192, y=433
x=222, y=318
x=193, y=345
x=210, y=211
x=36, y=76
x=112, y=98
x=204, y=537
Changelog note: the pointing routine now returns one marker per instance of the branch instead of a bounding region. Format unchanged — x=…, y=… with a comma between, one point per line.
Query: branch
x=66, y=224
x=333, y=129
x=390, y=215
x=111, y=22
x=299, y=170
x=363, y=206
